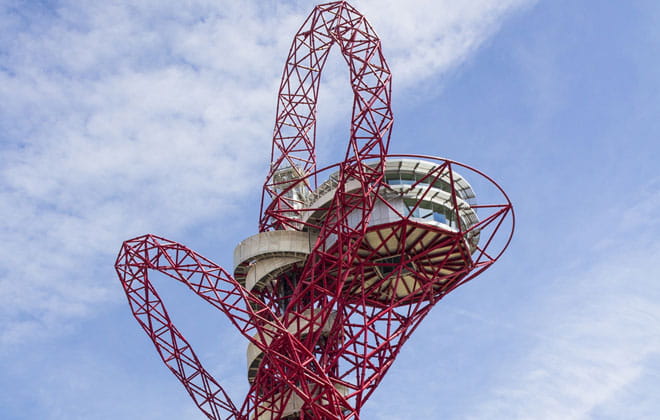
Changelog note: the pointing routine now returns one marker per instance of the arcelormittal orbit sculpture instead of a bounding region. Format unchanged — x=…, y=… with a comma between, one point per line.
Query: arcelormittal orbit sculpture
x=348, y=260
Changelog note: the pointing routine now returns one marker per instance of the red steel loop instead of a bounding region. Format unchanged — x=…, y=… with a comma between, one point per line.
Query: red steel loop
x=293, y=146
x=211, y=282
x=341, y=273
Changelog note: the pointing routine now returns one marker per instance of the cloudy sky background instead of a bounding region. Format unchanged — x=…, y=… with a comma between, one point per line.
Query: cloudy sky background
x=123, y=118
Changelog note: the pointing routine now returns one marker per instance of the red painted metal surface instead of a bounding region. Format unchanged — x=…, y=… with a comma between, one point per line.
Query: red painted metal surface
x=325, y=327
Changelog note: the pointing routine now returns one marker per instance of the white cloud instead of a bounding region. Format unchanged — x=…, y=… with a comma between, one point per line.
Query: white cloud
x=126, y=118
x=424, y=38
x=596, y=336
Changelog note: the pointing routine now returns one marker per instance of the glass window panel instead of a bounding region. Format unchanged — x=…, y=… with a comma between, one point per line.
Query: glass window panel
x=410, y=204
x=439, y=217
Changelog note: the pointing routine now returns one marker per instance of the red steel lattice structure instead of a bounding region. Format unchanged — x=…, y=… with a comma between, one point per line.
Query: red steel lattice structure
x=342, y=271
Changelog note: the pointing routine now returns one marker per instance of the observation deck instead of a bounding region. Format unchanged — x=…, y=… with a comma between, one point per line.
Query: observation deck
x=420, y=230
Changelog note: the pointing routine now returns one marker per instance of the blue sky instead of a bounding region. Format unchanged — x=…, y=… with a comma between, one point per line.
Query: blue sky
x=153, y=117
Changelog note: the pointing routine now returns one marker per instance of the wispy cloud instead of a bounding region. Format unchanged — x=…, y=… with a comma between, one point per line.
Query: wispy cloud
x=425, y=38
x=597, y=337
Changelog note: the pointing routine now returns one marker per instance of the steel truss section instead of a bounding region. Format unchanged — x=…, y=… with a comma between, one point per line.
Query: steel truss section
x=343, y=270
